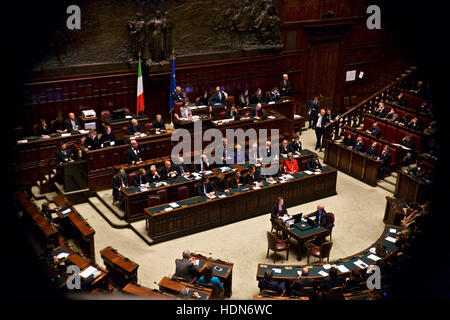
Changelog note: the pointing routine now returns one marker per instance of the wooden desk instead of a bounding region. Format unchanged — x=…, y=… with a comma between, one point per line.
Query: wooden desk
x=224, y=271
x=117, y=125
x=81, y=229
x=122, y=270
x=173, y=286
x=260, y=297
x=394, y=213
x=356, y=164
x=410, y=188
x=141, y=291
x=199, y=213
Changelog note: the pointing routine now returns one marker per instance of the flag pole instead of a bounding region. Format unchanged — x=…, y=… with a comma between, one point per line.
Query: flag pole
x=172, y=56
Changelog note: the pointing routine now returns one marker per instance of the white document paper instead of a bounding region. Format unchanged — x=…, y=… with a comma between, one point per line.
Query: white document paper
x=112, y=143
x=222, y=196
x=67, y=211
x=65, y=134
x=89, y=271
x=360, y=264
x=256, y=188
x=276, y=270
x=342, y=268
x=299, y=272
x=271, y=102
x=62, y=255
x=168, y=209
x=373, y=257
x=308, y=172
x=270, y=117
x=350, y=75
x=317, y=172
x=22, y=141
x=391, y=239
x=174, y=205
x=326, y=266
x=323, y=273
x=128, y=117
x=392, y=230
x=373, y=250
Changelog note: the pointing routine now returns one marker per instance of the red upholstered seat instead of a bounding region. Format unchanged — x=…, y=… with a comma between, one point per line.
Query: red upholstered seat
x=381, y=125
x=417, y=142
x=388, y=107
x=380, y=148
x=366, y=141
x=401, y=133
x=424, y=121
x=130, y=178
x=400, y=113
x=410, y=115
x=395, y=156
x=281, y=245
x=315, y=251
x=427, y=165
x=368, y=122
x=389, y=132
x=162, y=195
x=177, y=107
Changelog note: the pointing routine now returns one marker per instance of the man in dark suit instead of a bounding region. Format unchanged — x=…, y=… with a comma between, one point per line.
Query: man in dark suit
x=385, y=159
x=218, y=96
x=331, y=281
x=134, y=128
x=73, y=123
x=185, y=267
x=92, y=142
x=119, y=181
x=177, y=95
x=268, y=284
x=205, y=187
x=313, y=164
x=278, y=210
x=375, y=130
x=359, y=145
x=231, y=112
x=313, y=110
x=204, y=165
x=381, y=111
x=168, y=171
x=320, y=124
x=285, y=85
x=253, y=176
x=257, y=111
x=63, y=155
x=133, y=154
x=159, y=123
x=141, y=178
x=372, y=150
x=295, y=146
x=320, y=215
x=303, y=281
x=154, y=175
x=181, y=167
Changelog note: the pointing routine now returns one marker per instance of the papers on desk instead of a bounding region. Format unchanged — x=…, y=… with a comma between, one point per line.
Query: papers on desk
x=62, y=255
x=143, y=188
x=287, y=177
x=46, y=137
x=88, y=272
x=211, y=197
x=174, y=205
x=128, y=117
x=270, y=117
x=271, y=102
x=317, y=172
x=296, y=116
x=360, y=264
x=271, y=181
x=390, y=239
x=223, y=169
x=256, y=187
x=308, y=172
x=342, y=268
x=326, y=266
x=67, y=211
x=168, y=209
x=83, y=131
x=284, y=218
x=222, y=196
x=392, y=230
x=22, y=141
x=373, y=257
x=207, y=172
x=65, y=134
x=323, y=273
x=276, y=270
x=401, y=146
x=373, y=250
x=299, y=272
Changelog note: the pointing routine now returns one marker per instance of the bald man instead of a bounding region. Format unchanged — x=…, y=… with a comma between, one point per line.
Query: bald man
x=133, y=154
x=320, y=215
x=218, y=96
x=134, y=128
x=185, y=267
x=73, y=123
x=177, y=96
x=285, y=85
x=303, y=281
x=168, y=171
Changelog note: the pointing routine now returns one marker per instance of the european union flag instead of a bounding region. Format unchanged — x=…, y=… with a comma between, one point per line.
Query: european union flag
x=172, y=85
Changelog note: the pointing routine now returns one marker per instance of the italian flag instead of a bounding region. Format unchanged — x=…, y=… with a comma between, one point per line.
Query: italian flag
x=140, y=91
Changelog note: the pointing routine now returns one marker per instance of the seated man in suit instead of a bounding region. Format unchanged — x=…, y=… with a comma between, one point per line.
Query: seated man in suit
x=108, y=137
x=244, y=99
x=43, y=129
x=221, y=183
x=92, y=142
x=268, y=284
x=313, y=164
x=237, y=180
x=158, y=124
x=59, y=125
x=181, y=167
x=295, y=146
x=73, y=123
x=141, y=178
x=185, y=267
x=385, y=158
x=253, y=176
x=257, y=111
x=400, y=99
x=303, y=281
x=257, y=96
x=205, y=188
x=177, y=95
x=203, y=100
x=329, y=282
x=168, y=171
x=372, y=150
x=320, y=216
x=278, y=210
x=133, y=154
x=134, y=128
x=212, y=112
x=349, y=141
x=119, y=181
x=291, y=164
x=375, y=130
x=392, y=115
x=232, y=112
x=218, y=96
x=414, y=124
x=203, y=165
x=253, y=154
x=408, y=142
x=284, y=148
x=239, y=154
x=63, y=155
x=359, y=145
x=154, y=175
x=285, y=85
x=381, y=111
x=274, y=94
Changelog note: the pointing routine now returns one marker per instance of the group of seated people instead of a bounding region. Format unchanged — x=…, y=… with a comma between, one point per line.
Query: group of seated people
x=219, y=96
x=187, y=270
x=391, y=115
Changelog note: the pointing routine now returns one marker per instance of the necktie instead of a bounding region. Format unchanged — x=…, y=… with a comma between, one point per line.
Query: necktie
x=320, y=216
x=204, y=188
x=182, y=170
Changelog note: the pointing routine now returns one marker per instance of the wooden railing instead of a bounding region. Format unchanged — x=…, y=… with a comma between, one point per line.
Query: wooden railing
x=354, y=117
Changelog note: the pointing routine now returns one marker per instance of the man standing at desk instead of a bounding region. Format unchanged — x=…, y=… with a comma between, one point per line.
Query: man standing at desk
x=134, y=128
x=133, y=154
x=185, y=267
x=285, y=85
x=158, y=124
x=72, y=123
x=120, y=181
x=63, y=155
x=218, y=96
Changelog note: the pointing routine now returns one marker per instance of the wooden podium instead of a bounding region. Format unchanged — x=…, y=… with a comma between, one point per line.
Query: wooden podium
x=74, y=175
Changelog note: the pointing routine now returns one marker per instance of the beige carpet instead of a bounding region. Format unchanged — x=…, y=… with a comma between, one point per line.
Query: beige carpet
x=358, y=208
